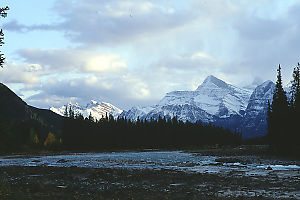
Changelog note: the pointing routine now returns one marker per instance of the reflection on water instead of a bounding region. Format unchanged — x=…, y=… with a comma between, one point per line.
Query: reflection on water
x=156, y=160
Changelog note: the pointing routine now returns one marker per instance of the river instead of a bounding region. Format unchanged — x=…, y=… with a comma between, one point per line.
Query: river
x=157, y=160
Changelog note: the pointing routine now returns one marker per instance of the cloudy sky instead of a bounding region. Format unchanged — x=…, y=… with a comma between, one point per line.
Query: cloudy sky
x=131, y=52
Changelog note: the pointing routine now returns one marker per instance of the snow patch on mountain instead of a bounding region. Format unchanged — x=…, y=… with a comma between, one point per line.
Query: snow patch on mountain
x=221, y=99
x=213, y=98
x=96, y=109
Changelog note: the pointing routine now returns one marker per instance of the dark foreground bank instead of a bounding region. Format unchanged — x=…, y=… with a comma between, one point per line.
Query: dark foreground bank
x=87, y=183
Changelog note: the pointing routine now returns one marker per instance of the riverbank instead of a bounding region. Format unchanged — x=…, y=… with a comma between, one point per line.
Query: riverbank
x=209, y=173
x=87, y=183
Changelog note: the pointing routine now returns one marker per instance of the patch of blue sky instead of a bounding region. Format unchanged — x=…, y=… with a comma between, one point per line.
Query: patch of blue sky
x=28, y=13
x=31, y=12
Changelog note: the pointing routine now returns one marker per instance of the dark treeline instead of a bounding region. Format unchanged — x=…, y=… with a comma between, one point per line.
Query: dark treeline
x=21, y=135
x=86, y=134
x=13, y=135
x=26, y=135
x=284, y=117
x=110, y=133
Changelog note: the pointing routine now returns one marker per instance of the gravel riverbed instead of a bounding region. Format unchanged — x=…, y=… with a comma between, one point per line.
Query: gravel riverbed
x=130, y=175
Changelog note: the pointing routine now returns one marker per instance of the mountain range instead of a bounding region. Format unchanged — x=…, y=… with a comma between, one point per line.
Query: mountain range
x=97, y=110
x=215, y=102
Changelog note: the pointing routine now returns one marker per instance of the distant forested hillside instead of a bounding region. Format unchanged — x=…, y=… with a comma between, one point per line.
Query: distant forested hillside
x=21, y=123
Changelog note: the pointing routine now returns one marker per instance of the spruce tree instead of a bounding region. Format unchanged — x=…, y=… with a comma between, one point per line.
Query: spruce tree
x=278, y=115
x=66, y=114
x=91, y=118
x=79, y=116
x=295, y=109
x=295, y=88
x=269, y=118
x=3, y=13
x=71, y=112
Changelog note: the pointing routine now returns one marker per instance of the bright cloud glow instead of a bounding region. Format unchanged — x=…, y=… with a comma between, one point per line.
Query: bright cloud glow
x=105, y=63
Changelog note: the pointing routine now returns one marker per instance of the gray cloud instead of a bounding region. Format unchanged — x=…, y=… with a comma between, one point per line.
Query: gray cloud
x=167, y=47
x=255, y=28
x=265, y=41
x=141, y=86
x=183, y=72
x=24, y=73
x=111, y=22
x=120, y=92
x=15, y=26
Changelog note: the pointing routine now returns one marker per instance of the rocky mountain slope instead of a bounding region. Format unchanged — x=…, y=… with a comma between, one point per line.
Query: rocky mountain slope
x=254, y=122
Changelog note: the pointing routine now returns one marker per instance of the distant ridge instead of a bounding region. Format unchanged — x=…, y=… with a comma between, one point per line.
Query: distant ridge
x=214, y=101
x=97, y=110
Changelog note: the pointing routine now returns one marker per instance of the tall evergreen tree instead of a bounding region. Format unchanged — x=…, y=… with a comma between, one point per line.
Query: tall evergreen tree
x=295, y=88
x=66, y=114
x=295, y=109
x=278, y=114
x=269, y=118
x=71, y=112
x=3, y=13
x=279, y=97
x=91, y=118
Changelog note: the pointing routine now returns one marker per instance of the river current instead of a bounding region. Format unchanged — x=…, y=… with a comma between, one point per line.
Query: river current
x=155, y=160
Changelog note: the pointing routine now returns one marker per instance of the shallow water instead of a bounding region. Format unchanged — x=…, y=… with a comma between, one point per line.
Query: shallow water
x=156, y=160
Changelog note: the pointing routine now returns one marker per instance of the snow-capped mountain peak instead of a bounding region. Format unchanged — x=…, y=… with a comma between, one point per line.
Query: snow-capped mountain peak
x=221, y=99
x=96, y=109
x=212, y=81
x=213, y=97
x=215, y=102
